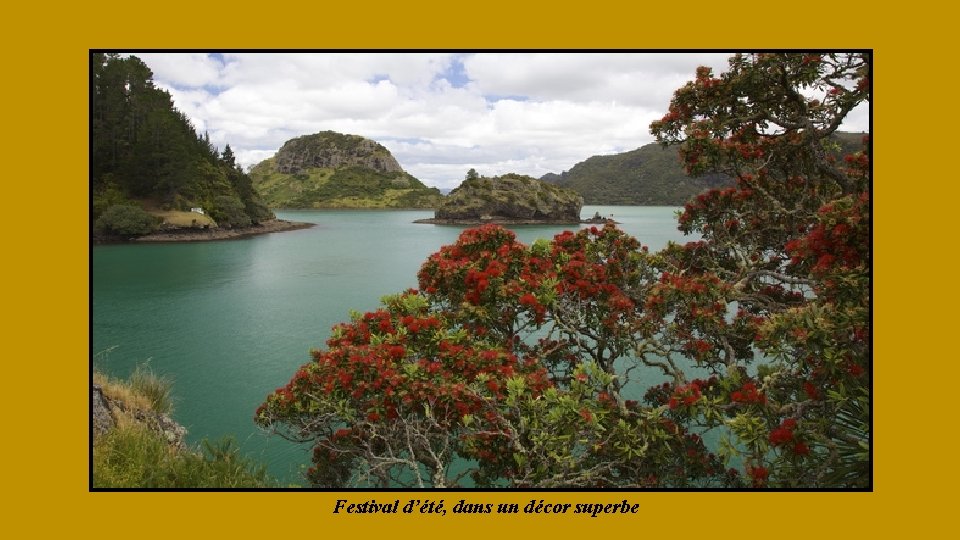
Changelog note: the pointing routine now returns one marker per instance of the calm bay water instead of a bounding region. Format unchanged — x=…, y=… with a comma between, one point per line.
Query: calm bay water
x=230, y=321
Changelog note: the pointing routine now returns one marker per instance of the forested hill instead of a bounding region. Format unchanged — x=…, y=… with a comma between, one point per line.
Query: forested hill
x=145, y=152
x=650, y=175
x=653, y=175
x=330, y=169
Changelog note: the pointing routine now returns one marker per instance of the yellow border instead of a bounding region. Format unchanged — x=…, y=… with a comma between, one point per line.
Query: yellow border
x=45, y=135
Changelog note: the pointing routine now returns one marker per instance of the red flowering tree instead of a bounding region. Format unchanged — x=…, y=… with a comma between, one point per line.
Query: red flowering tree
x=577, y=294
x=783, y=268
x=502, y=369
x=511, y=365
x=571, y=308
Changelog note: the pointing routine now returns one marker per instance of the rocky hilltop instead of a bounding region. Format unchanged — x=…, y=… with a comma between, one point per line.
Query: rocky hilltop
x=511, y=198
x=333, y=170
x=333, y=150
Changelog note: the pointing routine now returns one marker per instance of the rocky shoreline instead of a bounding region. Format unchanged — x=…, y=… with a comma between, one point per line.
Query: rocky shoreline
x=189, y=234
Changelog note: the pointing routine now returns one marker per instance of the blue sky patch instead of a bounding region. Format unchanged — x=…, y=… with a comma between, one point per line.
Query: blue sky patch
x=455, y=74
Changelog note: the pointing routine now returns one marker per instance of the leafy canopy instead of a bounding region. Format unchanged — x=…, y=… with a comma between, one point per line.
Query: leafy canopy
x=143, y=148
x=515, y=365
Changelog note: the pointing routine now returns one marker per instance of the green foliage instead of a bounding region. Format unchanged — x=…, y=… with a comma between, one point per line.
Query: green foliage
x=107, y=195
x=428, y=198
x=144, y=148
x=137, y=457
x=229, y=211
x=125, y=220
x=257, y=211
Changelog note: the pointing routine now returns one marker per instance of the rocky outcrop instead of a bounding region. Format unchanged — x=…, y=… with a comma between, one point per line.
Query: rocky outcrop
x=103, y=420
x=106, y=412
x=332, y=150
x=511, y=198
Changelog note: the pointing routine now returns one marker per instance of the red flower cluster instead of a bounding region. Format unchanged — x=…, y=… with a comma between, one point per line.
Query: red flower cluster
x=839, y=240
x=784, y=433
x=758, y=475
x=748, y=393
x=686, y=394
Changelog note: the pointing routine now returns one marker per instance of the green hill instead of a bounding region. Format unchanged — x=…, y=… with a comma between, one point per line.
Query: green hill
x=333, y=170
x=652, y=175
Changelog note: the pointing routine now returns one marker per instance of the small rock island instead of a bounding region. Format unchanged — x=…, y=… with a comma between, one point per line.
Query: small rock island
x=509, y=199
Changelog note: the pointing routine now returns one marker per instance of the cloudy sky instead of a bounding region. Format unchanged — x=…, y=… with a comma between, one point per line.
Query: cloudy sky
x=440, y=114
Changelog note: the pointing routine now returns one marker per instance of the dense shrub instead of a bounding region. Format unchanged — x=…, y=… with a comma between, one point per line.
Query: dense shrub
x=258, y=212
x=229, y=212
x=125, y=220
x=107, y=195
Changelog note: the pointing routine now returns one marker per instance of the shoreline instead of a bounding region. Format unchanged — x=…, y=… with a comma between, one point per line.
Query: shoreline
x=208, y=235
x=350, y=208
x=507, y=221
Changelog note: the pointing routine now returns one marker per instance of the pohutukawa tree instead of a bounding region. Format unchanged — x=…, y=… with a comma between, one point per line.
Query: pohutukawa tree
x=515, y=365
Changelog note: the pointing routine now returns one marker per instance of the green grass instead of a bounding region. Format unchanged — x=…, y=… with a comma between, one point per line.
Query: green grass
x=155, y=388
x=131, y=455
x=136, y=457
x=349, y=187
x=184, y=219
x=390, y=198
x=278, y=189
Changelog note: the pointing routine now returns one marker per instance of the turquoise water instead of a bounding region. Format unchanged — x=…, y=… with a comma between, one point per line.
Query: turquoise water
x=230, y=321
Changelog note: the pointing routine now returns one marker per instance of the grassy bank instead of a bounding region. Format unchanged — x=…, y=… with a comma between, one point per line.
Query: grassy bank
x=185, y=219
x=135, y=454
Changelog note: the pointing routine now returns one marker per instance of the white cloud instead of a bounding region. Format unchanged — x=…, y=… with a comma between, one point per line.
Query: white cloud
x=643, y=79
x=439, y=113
x=183, y=69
